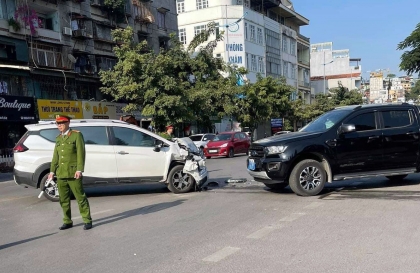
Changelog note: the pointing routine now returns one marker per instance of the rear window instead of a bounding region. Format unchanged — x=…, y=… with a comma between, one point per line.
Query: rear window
x=92, y=135
x=196, y=138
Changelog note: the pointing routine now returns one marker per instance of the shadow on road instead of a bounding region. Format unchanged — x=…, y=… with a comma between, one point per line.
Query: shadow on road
x=116, y=190
x=135, y=212
x=25, y=241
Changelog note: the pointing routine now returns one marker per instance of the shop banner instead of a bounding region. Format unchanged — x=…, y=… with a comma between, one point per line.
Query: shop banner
x=99, y=110
x=276, y=125
x=47, y=109
x=17, y=108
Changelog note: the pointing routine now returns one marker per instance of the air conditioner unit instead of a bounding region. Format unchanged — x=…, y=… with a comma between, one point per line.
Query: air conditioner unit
x=67, y=31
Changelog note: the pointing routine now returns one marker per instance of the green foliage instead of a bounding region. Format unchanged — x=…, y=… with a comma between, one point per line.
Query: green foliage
x=391, y=76
x=14, y=24
x=410, y=59
x=115, y=4
x=265, y=99
x=414, y=94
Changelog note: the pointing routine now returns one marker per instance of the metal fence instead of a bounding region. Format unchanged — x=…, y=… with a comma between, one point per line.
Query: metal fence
x=6, y=163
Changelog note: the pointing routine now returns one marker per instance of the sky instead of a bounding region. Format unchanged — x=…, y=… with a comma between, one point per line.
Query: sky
x=370, y=29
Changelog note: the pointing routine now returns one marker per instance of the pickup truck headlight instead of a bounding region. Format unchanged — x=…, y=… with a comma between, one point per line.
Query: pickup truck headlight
x=271, y=150
x=224, y=145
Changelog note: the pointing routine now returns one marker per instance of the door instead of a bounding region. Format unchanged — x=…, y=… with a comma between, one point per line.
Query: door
x=361, y=150
x=100, y=161
x=237, y=143
x=136, y=159
x=401, y=138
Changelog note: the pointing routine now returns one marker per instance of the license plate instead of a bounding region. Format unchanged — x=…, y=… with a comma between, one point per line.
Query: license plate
x=212, y=151
x=251, y=164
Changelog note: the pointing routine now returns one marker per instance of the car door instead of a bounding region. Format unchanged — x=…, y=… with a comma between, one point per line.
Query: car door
x=401, y=138
x=361, y=150
x=136, y=159
x=237, y=143
x=100, y=161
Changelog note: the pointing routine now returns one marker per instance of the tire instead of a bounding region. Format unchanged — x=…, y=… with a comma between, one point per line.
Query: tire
x=397, y=178
x=231, y=153
x=49, y=193
x=303, y=185
x=276, y=187
x=176, y=185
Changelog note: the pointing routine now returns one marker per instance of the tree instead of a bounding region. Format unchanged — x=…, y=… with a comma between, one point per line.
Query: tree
x=174, y=86
x=414, y=94
x=410, y=59
x=391, y=76
x=260, y=101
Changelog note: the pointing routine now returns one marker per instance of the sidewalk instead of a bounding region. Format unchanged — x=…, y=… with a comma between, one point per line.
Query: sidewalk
x=6, y=177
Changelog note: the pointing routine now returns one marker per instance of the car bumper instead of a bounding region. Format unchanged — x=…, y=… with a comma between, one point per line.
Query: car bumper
x=24, y=178
x=216, y=151
x=268, y=170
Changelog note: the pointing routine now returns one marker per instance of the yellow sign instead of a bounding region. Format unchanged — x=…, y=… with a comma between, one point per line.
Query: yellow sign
x=47, y=109
x=99, y=110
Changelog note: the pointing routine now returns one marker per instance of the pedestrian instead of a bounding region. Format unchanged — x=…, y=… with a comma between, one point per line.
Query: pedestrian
x=68, y=165
x=168, y=133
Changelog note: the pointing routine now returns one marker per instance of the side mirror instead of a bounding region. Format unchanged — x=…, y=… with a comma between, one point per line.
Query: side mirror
x=156, y=149
x=158, y=145
x=346, y=128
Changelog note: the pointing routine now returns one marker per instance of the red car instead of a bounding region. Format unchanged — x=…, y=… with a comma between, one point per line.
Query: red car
x=227, y=144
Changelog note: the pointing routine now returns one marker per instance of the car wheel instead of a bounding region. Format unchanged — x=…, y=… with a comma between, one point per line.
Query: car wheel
x=178, y=181
x=307, y=178
x=276, y=187
x=231, y=153
x=51, y=191
x=396, y=178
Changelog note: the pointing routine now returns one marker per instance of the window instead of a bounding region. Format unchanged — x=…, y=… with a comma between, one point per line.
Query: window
x=253, y=63
x=285, y=43
x=180, y=6
x=363, y=122
x=246, y=31
x=285, y=69
x=199, y=29
x=202, y=4
x=161, y=19
x=208, y=137
x=130, y=137
x=252, y=33
x=398, y=118
x=94, y=135
x=49, y=134
x=293, y=47
x=259, y=36
x=182, y=36
x=293, y=68
x=247, y=61
x=260, y=65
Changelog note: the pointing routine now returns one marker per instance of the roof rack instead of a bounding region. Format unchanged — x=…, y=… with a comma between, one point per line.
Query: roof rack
x=73, y=121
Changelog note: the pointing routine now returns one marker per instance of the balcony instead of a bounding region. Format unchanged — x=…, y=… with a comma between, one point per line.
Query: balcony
x=304, y=38
x=266, y=3
x=303, y=61
x=48, y=35
x=304, y=84
x=81, y=34
x=46, y=56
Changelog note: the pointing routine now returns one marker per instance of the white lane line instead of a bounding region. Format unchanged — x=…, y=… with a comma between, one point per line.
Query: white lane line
x=94, y=213
x=221, y=254
x=292, y=217
x=313, y=205
x=263, y=232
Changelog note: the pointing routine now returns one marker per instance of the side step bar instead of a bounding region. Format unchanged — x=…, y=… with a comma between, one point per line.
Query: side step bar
x=375, y=173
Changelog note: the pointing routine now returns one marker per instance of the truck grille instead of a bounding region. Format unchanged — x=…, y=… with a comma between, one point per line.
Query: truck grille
x=256, y=151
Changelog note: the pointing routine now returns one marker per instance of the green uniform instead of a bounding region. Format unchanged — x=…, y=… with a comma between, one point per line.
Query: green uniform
x=69, y=157
x=166, y=135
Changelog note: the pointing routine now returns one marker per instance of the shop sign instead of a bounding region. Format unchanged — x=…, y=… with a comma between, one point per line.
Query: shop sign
x=276, y=125
x=47, y=109
x=99, y=110
x=17, y=108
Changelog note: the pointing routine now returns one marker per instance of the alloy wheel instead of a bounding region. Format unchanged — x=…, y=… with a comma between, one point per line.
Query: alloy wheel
x=310, y=178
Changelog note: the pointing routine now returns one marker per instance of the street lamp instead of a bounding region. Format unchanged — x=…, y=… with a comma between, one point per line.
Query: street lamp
x=324, y=64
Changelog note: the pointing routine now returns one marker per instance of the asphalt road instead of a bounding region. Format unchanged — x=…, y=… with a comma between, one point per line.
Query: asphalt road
x=352, y=226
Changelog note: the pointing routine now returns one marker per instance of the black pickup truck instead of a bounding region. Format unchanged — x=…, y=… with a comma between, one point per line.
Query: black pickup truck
x=347, y=142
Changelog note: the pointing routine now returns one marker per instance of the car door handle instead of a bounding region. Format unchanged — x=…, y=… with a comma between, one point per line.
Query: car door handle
x=373, y=137
x=122, y=153
x=410, y=133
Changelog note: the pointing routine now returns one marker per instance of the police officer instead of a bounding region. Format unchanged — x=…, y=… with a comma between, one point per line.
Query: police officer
x=168, y=133
x=68, y=164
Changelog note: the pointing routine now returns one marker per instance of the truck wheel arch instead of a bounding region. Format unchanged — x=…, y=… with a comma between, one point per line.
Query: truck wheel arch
x=315, y=156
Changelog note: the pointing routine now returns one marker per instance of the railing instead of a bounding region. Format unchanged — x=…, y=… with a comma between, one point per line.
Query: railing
x=6, y=163
x=305, y=62
x=304, y=84
x=47, y=58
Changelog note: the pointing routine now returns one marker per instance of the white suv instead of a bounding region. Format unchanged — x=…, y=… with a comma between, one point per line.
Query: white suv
x=116, y=153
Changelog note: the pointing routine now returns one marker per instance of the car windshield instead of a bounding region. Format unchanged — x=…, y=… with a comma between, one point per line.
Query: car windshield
x=196, y=138
x=222, y=137
x=325, y=121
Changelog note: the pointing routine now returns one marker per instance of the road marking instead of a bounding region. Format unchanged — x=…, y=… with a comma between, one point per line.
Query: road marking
x=292, y=217
x=15, y=198
x=94, y=213
x=263, y=232
x=221, y=254
x=313, y=205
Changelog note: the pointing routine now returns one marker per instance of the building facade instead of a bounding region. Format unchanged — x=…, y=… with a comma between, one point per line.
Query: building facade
x=330, y=67
x=263, y=36
x=54, y=49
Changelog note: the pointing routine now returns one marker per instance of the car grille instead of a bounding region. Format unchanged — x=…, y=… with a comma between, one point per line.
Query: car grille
x=256, y=151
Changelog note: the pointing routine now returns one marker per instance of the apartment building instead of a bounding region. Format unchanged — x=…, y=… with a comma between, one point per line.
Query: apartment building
x=263, y=36
x=54, y=49
x=330, y=67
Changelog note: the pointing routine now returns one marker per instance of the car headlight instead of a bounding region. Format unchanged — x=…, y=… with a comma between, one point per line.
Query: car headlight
x=224, y=145
x=271, y=150
x=205, y=146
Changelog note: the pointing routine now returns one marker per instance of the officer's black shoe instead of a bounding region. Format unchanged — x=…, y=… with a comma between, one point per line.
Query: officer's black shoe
x=87, y=226
x=66, y=226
